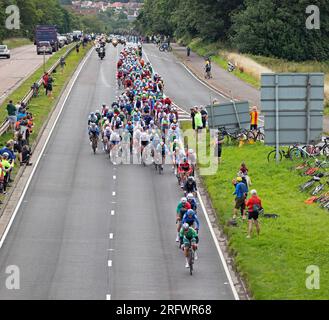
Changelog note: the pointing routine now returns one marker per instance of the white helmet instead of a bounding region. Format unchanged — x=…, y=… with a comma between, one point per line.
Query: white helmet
x=190, y=196
x=183, y=200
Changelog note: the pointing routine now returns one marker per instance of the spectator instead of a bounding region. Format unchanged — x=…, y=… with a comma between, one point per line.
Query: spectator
x=188, y=51
x=198, y=120
x=204, y=116
x=45, y=81
x=6, y=166
x=254, y=118
x=26, y=155
x=77, y=47
x=241, y=194
x=12, y=118
x=49, y=89
x=219, y=145
x=62, y=64
x=254, y=205
x=243, y=173
x=193, y=118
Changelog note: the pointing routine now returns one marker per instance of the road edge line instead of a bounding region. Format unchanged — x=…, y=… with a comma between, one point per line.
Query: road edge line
x=7, y=229
x=219, y=250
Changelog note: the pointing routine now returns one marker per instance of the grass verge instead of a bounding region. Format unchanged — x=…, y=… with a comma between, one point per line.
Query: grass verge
x=13, y=43
x=273, y=264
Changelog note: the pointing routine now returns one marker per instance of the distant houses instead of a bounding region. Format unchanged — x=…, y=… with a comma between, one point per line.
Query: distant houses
x=90, y=7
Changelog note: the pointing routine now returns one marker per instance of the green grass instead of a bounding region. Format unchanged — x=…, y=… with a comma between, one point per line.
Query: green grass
x=274, y=263
x=13, y=43
x=213, y=49
x=42, y=105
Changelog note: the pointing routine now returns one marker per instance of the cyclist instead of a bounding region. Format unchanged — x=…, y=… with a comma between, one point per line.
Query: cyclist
x=192, y=219
x=145, y=140
x=190, y=186
x=181, y=209
x=93, y=131
x=188, y=237
x=161, y=151
x=191, y=200
x=92, y=118
x=184, y=171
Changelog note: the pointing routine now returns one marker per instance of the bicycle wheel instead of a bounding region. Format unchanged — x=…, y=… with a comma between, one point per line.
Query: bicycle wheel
x=296, y=153
x=272, y=156
x=169, y=49
x=260, y=137
x=161, y=48
x=325, y=151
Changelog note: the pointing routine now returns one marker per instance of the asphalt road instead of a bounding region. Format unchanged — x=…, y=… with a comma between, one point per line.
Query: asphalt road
x=186, y=90
x=87, y=229
x=24, y=61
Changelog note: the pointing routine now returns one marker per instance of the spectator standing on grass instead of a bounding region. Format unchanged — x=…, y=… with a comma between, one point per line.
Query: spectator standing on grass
x=240, y=193
x=198, y=120
x=12, y=118
x=50, y=86
x=188, y=51
x=193, y=118
x=254, y=118
x=219, y=145
x=45, y=81
x=254, y=205
x=62, y=63
x=204, y=115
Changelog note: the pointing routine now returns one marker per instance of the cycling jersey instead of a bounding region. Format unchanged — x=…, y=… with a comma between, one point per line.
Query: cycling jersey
x=189, y=236
x=191, y=220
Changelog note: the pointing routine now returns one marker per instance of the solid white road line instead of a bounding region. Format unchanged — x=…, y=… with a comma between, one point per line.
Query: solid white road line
x=112, y=213
x=109, y=263
x=114, y=177
x=111, y=235
x=108, y=297
x=113, y=193
x=42, y=151
x=219, y=250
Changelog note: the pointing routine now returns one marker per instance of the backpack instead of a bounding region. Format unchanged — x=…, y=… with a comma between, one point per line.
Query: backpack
x=256, y=208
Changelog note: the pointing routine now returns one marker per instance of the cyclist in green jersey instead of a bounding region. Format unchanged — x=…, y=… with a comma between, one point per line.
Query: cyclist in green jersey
x=189, y=237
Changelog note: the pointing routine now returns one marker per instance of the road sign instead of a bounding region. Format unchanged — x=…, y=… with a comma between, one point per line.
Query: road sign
x=229, y=114
x=293, y=107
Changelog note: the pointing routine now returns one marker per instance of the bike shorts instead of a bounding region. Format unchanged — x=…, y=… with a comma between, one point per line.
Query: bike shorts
x=253, y=127
x=115, y=142
x=253, y=215
x=240, y=203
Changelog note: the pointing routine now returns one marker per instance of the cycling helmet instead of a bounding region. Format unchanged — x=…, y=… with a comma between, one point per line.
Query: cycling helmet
x=190, y=212
x=190, y=178
x=92, y=113
x=161, y=143
x=186, y=226
x=183, y=200
x=190, y=151
x=190, y=196
x=93, y=124
x=5, y=154
x=175, y=140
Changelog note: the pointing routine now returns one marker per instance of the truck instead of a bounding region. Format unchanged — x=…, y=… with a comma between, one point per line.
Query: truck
x=46, y=33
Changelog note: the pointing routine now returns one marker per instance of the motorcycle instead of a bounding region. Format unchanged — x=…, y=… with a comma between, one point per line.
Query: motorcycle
x=101, y=54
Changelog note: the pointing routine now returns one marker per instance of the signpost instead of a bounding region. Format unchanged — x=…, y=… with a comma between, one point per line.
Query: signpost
x=293, y=108
x=229, y=115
